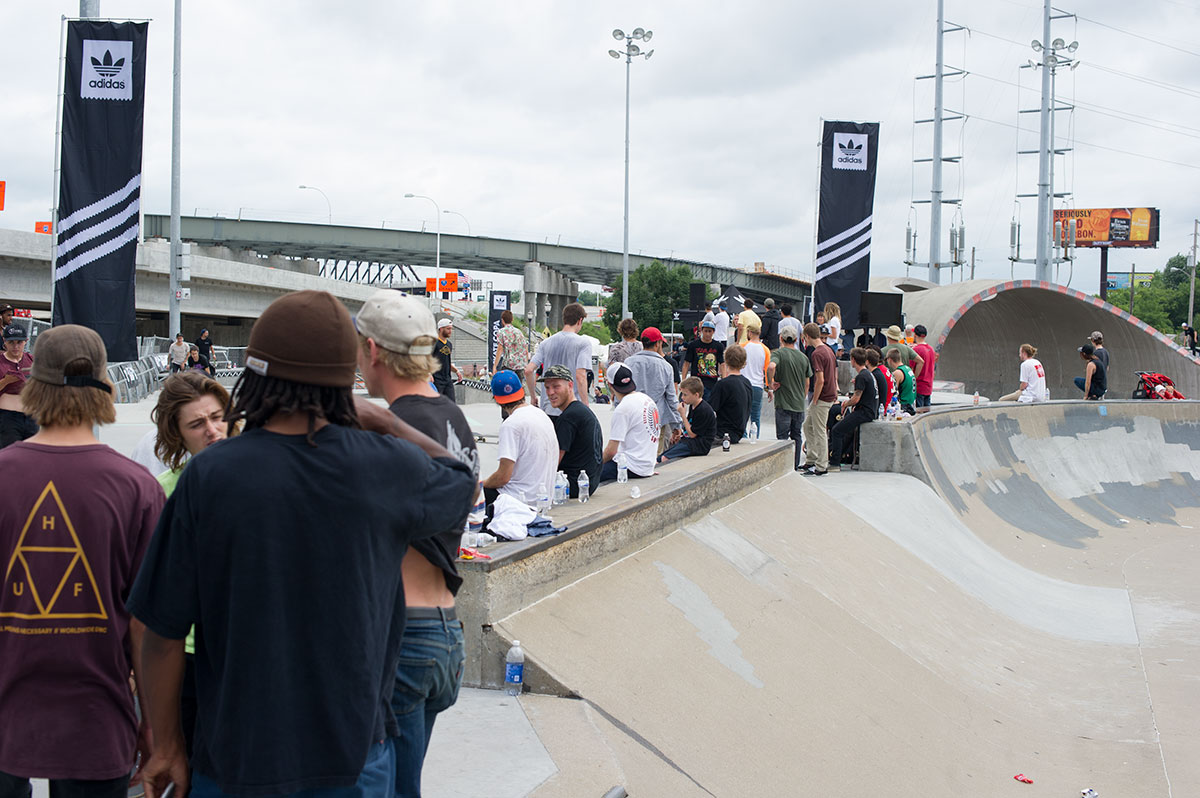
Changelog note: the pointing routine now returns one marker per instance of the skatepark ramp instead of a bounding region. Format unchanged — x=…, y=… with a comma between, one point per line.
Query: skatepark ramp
x=1029, y=606
x=977, y=326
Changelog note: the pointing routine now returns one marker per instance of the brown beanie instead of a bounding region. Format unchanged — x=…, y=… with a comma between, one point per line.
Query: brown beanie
x=306, y=337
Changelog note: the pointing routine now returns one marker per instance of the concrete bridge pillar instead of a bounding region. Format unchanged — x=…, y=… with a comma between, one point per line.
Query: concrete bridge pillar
x=544, y=285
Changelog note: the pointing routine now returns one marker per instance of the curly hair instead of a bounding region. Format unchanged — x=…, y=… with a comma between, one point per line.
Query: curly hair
x=256, y=399
x=628, y=329
x=179, y=390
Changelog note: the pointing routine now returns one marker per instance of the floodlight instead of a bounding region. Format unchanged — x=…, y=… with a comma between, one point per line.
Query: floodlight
x=649, y=54
x=646, y=36
x=1052, y=59
x=1036, y=45
x=1072, y=47
x=639, y=33
x=301, y=186
x=409, y=196
x=614, y=53
x=1058, y=44
x=635, y=50
x=1074, y=64
x=618, y=34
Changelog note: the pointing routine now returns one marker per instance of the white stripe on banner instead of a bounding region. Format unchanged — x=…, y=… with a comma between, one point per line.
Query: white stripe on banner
x=111, y=223
x=100, y=205
x=96, y=253
x=844, y=234
x=834, y=254
x=845, y=263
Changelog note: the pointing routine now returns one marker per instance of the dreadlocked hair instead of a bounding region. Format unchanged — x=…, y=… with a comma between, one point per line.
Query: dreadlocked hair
x=255, y=399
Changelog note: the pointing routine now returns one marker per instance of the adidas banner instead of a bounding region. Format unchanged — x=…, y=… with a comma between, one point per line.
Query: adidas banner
x=101, y=177
x=843, y=265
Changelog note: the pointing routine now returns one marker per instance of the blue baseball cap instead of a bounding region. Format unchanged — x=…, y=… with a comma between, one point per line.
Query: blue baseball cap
x=708, y=324
x=507, y=388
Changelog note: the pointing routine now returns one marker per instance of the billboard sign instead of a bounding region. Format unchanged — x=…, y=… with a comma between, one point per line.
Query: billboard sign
x=1118, y=281
x=1112, y=227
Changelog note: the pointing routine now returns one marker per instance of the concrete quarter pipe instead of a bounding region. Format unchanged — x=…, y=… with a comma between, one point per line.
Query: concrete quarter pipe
x=1028, y=607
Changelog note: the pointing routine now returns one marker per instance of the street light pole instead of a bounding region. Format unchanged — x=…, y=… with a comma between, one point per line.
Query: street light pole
x=174, y=311
x=438, y=251
x=631, y=50
x=1192, y=265
x=328, y=204
x=464, y=218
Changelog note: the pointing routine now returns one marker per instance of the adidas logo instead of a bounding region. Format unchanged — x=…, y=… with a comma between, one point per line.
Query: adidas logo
x=850, y=151
x=106, y=67
x=849, y=148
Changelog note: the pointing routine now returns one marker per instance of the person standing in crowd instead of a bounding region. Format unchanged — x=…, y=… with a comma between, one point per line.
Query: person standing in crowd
x=788, y=320
x=1189, y=337
x=312, y=573
x=758, y=359
x=634, y=429
x=396, y=338
x=512, y=347
x=1094, y=382
x=903, y=380
x=565, y=348
x=824, y=394
x=655, y=378
x=721, y=320
x=770, y=325
x=833, y=320
x=929, y=358
x=1100, y=352
x=700, y=423
x=861, y=407
x=443, y=350
x=15, y=423
x=177, y=354
x=908, y=356
x=732, y=396
x=620, y=351
x=188, y=418
x=197, y=361
x=6, y=315
x=745, y=319
x=789, y=374
x=705, y=358
x=1033, y=378
x=580, y=439
x=78, y=517
x=528, y=445
x=205, y=345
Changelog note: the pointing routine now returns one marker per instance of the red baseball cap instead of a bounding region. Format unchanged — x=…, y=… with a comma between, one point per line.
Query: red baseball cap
x=652, y=335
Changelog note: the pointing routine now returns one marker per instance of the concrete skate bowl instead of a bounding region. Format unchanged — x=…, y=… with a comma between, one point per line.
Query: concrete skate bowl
x=977, y=327
x=858, y=635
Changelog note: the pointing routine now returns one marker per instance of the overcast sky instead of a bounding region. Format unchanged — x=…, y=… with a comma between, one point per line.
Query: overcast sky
x=512, y=114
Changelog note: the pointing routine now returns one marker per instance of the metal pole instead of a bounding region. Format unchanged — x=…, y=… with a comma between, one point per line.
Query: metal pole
x=174, y=322
x=1044, y=205
x=62, y=59
x=1132, y=285
x=935, y=192
x=1054, y=245
x=1192, y=288
x=89, y=9
x=625, y=314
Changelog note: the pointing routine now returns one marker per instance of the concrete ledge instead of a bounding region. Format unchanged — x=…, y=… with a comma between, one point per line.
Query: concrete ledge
x=601, y=532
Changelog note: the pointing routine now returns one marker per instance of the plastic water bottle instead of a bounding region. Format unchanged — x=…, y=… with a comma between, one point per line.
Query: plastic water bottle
x=976, y=400
x=484, y=539
x=725, y=443
x=543, y=500
x=585, y=486
x=560, y=489
x=622, y=469
x=753, y=436
x=514, y=669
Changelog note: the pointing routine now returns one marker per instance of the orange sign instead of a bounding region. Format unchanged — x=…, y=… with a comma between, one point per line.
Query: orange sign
x=431, y=285
x=1111, y=227
x=42, y=227
x=2, y=182
x=449, y=282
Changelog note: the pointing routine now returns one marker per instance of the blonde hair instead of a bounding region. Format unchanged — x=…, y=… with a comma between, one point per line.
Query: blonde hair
x=1029, y=349
x=68, y=405
x=830, y=310
x=405, y=367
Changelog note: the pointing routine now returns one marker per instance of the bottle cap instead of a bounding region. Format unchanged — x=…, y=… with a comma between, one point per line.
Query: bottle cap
x=516, y=644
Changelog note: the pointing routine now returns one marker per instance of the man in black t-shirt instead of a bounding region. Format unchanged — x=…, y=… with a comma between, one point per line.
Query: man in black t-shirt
x=443, y=350
x=396, y=336
x=704, y=358
x=293, y=579
x=580, y=440
x=861, y=407
x=732, y=396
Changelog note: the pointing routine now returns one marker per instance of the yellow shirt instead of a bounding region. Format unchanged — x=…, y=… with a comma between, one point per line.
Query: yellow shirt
x=745, y=318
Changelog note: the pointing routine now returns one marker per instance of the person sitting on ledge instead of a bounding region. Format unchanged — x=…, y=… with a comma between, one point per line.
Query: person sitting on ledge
x=635, y=430
x=860, y=408
x=527, y=450
x=700, y=423
x=580, y=438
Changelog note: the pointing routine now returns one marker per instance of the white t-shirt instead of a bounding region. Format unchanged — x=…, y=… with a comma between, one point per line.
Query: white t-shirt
x=835, y=331
x=527, y=438
x=721, y=333
x=793, y=322
x=635, y=426
x=1034, y=377
x=757, y=357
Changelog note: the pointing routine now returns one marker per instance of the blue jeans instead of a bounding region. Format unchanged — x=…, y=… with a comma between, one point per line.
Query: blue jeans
x=427, y=682
x=377, y=779
x=923, y=400
x=756, y=403
x=681, y=449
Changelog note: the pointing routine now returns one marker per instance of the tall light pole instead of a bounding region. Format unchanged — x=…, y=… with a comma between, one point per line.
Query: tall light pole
x=328, y=204
x=631, y=50
x=438, y=251
x=1192, y=271
x=174, y=312
x=464, y=218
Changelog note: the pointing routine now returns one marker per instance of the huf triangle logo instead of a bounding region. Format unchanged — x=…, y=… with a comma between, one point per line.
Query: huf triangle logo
x=48, y=575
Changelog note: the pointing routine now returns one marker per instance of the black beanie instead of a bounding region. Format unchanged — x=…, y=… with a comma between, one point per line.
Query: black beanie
x=305, y=337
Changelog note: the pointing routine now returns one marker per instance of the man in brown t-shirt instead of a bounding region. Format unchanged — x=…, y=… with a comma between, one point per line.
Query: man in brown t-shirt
x=824, y=394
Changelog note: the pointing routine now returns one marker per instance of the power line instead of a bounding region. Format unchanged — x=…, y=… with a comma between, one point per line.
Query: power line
x=1138, y=36
x=1142, y=79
